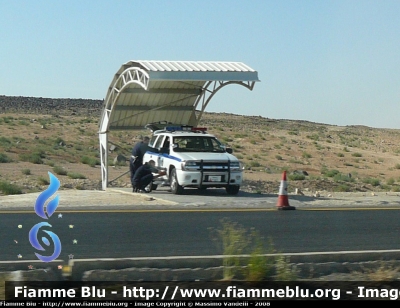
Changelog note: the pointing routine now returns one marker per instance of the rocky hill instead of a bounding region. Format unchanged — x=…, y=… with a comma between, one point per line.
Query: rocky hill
x=40, y=105
x=38, y=135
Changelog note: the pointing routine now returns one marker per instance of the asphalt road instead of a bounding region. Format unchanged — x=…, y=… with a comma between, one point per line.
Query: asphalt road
x=180, y=233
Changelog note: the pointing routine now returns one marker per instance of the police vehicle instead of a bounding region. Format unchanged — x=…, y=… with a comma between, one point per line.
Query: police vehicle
x=192, y=158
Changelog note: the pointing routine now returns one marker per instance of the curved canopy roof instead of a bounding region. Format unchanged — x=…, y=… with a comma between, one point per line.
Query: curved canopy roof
x=178, y=92
x=143, y=92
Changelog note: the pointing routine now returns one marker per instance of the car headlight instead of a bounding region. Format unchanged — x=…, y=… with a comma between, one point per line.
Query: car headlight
x=189, y=165
x=235, y=165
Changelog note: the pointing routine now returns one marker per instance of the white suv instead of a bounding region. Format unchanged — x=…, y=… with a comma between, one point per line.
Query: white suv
x=193, y=158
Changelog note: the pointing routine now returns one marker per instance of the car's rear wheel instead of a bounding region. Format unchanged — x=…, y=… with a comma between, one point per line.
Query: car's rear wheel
x=232, y=189
x=175, y=187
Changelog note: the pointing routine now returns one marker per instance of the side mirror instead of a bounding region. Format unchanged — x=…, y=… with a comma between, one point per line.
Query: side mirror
x=229, y=150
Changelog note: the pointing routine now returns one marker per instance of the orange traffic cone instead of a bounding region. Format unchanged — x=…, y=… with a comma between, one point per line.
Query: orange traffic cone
x=283, y=200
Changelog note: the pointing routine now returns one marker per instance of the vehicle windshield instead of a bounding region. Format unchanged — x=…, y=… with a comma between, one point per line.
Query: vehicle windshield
x=197, y=144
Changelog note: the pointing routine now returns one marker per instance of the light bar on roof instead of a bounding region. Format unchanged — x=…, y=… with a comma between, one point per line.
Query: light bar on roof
x=185, y=128
x=173, y=128
x=199, y=129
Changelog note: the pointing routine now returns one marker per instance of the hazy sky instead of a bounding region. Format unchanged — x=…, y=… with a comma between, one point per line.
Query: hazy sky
x=334, y=62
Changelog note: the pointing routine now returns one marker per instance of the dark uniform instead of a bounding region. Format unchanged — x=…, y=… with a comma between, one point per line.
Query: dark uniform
x=136, y=160
x=143, y=176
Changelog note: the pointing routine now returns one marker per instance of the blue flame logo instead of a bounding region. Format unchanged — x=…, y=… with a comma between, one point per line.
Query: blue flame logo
x=51, y=207
x=35, y=243
x=40, y=211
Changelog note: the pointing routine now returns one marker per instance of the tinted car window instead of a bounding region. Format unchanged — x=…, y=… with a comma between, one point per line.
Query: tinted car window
x=197, y=144
x=153, y=140
x=159, y=142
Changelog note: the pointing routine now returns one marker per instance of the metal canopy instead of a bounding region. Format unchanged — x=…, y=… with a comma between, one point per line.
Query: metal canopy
x=143, y=92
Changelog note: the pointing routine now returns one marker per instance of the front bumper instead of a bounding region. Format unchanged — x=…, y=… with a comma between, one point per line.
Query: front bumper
x=209, y=179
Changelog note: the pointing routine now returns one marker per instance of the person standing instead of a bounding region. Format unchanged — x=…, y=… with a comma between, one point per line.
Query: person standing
x=138, y=152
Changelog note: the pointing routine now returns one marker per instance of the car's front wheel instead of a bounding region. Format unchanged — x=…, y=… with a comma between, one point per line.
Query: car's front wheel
x=175, y=187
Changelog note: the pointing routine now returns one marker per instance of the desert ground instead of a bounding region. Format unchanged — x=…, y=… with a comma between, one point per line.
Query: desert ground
x=317, y=157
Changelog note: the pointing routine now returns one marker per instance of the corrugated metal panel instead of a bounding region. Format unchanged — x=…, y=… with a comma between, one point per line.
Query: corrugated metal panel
x=200, y=66
x=185, y=66
x=173, y=88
